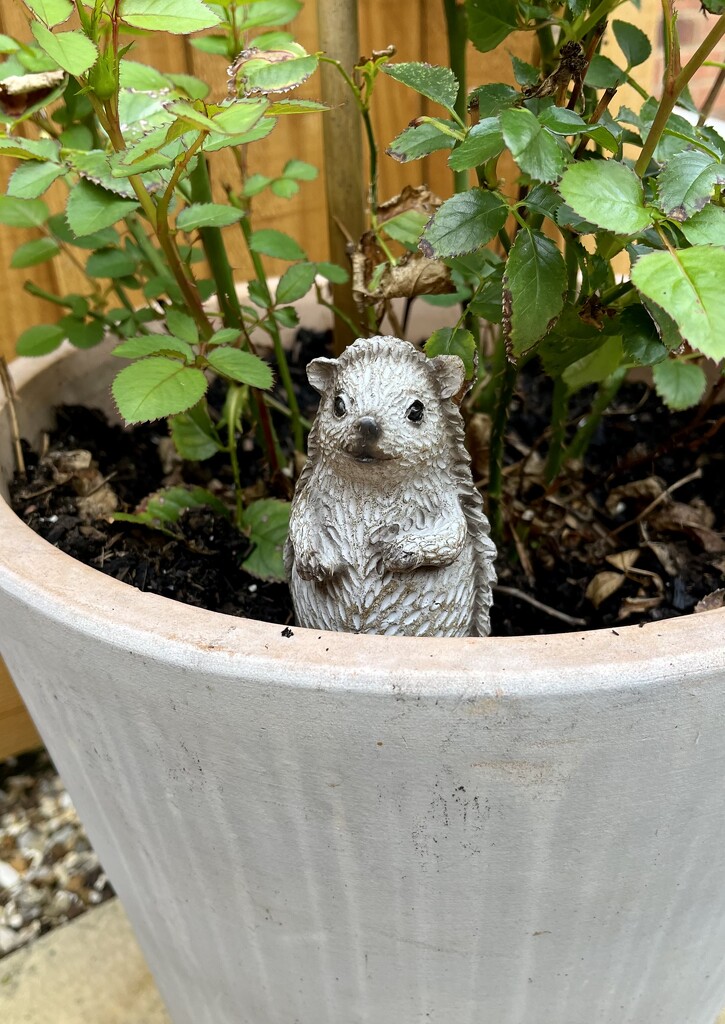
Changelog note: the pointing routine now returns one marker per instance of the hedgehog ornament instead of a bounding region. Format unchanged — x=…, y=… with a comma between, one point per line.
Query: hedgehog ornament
x=387, y=531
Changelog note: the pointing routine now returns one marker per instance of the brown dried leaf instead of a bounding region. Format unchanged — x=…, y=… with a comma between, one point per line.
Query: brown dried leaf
x=602, y=586
x=667, y=556
x=638, y=605
x=413, y=197
x=640, y=491
x=711, y=601
x=624, y=560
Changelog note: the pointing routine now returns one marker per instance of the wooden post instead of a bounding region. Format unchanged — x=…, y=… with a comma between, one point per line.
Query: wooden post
x=343, y=148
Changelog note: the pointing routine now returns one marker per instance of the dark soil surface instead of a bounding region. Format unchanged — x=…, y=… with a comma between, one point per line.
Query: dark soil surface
x=633, y=535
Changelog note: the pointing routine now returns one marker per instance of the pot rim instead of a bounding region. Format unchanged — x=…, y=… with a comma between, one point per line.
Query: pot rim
x=94, y=604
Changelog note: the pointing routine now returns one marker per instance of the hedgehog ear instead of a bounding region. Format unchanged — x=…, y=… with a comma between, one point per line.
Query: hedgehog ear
x=320, y=373
x=450, y=373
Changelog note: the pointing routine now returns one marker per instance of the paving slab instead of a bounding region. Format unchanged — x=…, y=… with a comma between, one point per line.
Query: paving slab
x=89, y=971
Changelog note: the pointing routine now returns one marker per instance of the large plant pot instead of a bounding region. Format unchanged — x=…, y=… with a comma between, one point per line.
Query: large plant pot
x=337, y=829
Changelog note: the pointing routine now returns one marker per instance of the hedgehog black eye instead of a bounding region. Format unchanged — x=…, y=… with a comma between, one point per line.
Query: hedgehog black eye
x=339, y=407
x=415, y=412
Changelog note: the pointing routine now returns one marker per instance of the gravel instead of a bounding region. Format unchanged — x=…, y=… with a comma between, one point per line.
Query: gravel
x=49, y=873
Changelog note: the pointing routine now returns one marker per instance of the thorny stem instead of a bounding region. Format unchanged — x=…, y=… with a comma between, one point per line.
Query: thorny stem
x=9, y=390
x=603, y=399
x=279, y=352
x=674, y=85
x=559, y=410
x=457, y=23
x=712, y=97
x=216, y=254
x=505, y=383
x=234, y=417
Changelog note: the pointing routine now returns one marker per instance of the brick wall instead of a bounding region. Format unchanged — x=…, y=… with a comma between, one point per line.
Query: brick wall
x=693, y=25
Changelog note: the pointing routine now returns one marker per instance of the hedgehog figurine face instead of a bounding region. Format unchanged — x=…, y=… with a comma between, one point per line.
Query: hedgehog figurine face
x=371, y=412
x=387, y=531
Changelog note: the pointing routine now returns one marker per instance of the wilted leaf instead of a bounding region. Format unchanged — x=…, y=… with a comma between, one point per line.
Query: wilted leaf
x=711, y=602
x=602, y=586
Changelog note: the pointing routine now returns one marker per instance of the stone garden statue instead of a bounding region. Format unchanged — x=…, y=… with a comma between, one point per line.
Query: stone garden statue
x=387, y=531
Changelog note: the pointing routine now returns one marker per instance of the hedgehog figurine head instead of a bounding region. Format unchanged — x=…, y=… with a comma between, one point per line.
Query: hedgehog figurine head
x=383, y=402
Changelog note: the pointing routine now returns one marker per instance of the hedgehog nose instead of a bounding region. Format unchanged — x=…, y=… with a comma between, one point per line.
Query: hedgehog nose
x=368, y=428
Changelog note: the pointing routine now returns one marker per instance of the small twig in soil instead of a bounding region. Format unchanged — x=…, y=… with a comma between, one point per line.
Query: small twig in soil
x=14, y=427
x=102, y=483
x=696, y=475
x=520, y=595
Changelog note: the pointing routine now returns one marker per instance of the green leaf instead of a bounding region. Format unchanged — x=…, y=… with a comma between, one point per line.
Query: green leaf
x=268, y=13
x=418, y=141
x=295, y=282
x=285, y=188
x=152, y=345
x=688, y=285
x=82, y=333
x=33, y=178
x=241, y=366
x=240, y=116
x=267, y=522
x=23, y=213
x=435, y=83
x=270, y=242
x=534, y=284
x=8, y=45
x=597, y=366
x=283, y=107
x=490, y=22
x=464, y=223
x=111, y=263
x=483, y=142
x=537, y=152
x=194, y=435
x=207, y=215
x=640, y=337
x=178, y=16
x=333, y=273
x=30, y=149
x=525, y=74
x=95, y=167
x=603, y=73
x=39, y=340
x=98, y=240
x=687, y=182
x=32, y=253
x=490, y=100
x=225, y=336
x=70, y=50
x=562, y=121
x=453, y=341
x=633, y=43
x=181, y=325
x=216, y=45
x=606, y=193
x=194, y=87
x=707, y=227
x=277, y=70
x=300, y=170
x=680, y=385
x=91, y=208
x=164, y=508
x=154, y=388
x=406, y=227
x=52, y=12
x=141, y=77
